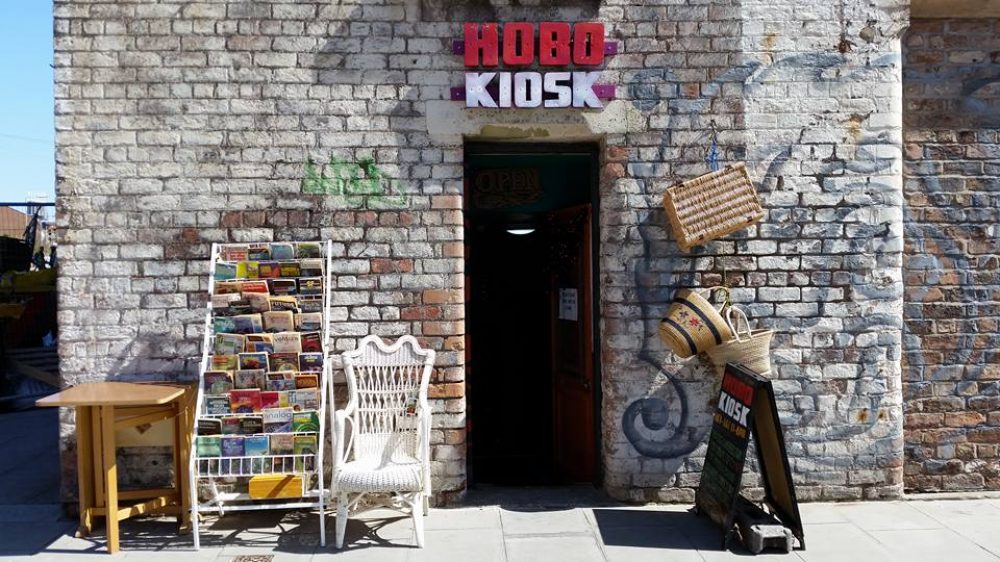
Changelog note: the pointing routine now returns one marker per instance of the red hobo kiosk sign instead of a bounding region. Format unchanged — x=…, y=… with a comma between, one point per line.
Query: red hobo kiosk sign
x=579, y=48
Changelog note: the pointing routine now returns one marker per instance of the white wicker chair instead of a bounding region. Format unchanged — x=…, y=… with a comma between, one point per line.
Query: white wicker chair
x=388, y=452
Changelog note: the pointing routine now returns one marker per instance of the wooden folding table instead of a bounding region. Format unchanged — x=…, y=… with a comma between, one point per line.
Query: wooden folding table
x=101, y=409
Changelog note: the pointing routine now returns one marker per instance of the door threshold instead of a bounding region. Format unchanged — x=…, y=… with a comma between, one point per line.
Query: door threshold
x=531, y=498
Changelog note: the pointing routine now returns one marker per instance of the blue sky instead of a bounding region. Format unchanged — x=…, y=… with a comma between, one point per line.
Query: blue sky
x=27, y=153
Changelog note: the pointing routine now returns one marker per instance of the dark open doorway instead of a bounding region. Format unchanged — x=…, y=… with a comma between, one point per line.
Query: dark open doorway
x=532, y=380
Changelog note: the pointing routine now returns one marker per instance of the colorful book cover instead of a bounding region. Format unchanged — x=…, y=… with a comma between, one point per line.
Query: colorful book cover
x=259, y=252
x=278, y=385
x=247, y=270
x=284, y=361
x=218, y=382
x=281, y=444
x=210, y=426
x=284, y=287
x=223, y=324
x=303, y=399
x=248, y=324
x=232, y=446
x=311, y=362
x=306, y=381
x=309, y=321
x=250, y=378
x=278, y=420
x=303, y=445
x=245, y=401
x=312, y=342
x=287, y=342
x=253, y=286
x=259, y=302
x=234, y=252
x=305, y=421
x=261, y=347
x=279, y=321
x=282, y=251
x=311, y=286
x=311, y=268
x=250, y=425
x=254, y=361
x=257, y=338
x=223, y=301
x=269, y=270
x=310, y=303
x=225, y=271
x=225, y=362
x=269, y=399
x=217, y=404
x=231, y=426
x=288, y=303
x=227, y=287
x=237, y=307
x=255, y=445
x=307, y=250
x=290, y=269
x=208, y=446
x=228, y=344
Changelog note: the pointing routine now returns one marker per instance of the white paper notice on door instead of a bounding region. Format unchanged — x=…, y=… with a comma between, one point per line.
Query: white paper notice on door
x=567, y=304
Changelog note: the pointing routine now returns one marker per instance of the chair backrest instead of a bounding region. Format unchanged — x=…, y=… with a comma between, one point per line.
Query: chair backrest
x=388, y=386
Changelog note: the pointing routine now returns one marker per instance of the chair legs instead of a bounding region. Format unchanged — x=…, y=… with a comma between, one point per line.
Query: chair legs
x=417, y=507
x=341, y=519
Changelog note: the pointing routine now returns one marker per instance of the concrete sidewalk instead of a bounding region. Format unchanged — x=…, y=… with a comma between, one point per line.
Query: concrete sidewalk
x=952, y=530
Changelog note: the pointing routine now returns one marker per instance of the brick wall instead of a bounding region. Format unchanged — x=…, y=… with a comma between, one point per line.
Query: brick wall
x=952, y=267
x=182, y=124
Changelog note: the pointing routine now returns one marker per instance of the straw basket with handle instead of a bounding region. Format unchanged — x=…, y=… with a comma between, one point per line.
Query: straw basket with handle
x=750, y=348
x=713, y=205
x=693, y=324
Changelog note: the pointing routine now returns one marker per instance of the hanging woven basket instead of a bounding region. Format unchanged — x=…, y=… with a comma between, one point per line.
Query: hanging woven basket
x=693, y=324
x=750, y=348
x=713, y=205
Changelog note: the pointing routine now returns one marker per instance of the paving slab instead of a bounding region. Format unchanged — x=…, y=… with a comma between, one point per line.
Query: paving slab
x=931, y=545
x=885, y=516
x=548, y=549
x=545, y=522
x=480, y=545
x=840, y=542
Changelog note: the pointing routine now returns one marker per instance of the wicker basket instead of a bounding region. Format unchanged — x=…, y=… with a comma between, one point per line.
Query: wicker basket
x=750, y=348
x=692, y=324
x=711, y=206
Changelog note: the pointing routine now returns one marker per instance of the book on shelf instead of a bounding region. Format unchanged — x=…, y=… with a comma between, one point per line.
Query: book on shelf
x=312, y=342
x=308, y=250
x=247, y=270
x=253, y=339
x=224, y=362
x=218, y=382
x=309, y=321
x=306, y=380
x=261, y=347
x=311, y=362
x=209, y=426
x=270, y=399
x=284, y=287
x=311, y=267
x=230, y=426
x=289, y=303
x=259, y=252
x=290, y=269
x=208, y=445
x=225, y=271
x=259, y=302
x=304, y=445
x=229, y=344
x=279, y=321
x=280, y=380
x=253, y=286
x=238, y=307
x=232, y=446
x=250, y=378
x=269, y=270
x=278, y=420
x=217, y=404
x=234, y=252
x=245, y=401
x=305, y=421
x=303, y=399
x=281, y=444
x=253, y=361
x=222, y=302
x=287, y=342
x=282, y=251
x=255, y=445
x=310, y=285
x=227, y=288
x=248, y=324
x=284, y=361
x=310, y=303
x=250, y=425
x=223, y=324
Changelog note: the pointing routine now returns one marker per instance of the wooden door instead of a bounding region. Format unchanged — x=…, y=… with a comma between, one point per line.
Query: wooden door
x=572, y=344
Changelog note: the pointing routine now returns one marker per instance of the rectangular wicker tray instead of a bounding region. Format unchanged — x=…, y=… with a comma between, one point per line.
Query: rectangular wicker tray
x=713, y=205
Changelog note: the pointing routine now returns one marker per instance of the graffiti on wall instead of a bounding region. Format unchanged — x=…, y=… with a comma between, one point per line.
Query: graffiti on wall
x=359, y=183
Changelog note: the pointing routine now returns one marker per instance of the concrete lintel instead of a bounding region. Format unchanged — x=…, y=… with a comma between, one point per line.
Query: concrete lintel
x=955, y=8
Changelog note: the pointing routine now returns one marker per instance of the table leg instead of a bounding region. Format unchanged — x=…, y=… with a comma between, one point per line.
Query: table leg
x=96, y=455
x=110, y=476
x=180, y=465
x=84, y=469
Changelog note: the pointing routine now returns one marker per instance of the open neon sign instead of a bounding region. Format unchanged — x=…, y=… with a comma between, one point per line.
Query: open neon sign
x=556, y=44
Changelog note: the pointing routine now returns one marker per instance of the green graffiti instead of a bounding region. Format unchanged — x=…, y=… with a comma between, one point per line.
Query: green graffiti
x=358, y=183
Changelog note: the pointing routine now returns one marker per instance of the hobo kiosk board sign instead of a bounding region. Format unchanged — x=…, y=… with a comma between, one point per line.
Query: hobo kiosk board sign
x=746, y=406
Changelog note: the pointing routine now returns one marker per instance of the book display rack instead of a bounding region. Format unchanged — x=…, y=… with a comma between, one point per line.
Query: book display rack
x=259, y=432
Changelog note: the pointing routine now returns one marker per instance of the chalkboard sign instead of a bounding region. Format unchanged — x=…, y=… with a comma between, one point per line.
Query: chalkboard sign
x=746, y=407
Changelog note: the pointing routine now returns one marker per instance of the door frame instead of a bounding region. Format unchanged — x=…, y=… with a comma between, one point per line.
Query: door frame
x=593, y=150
